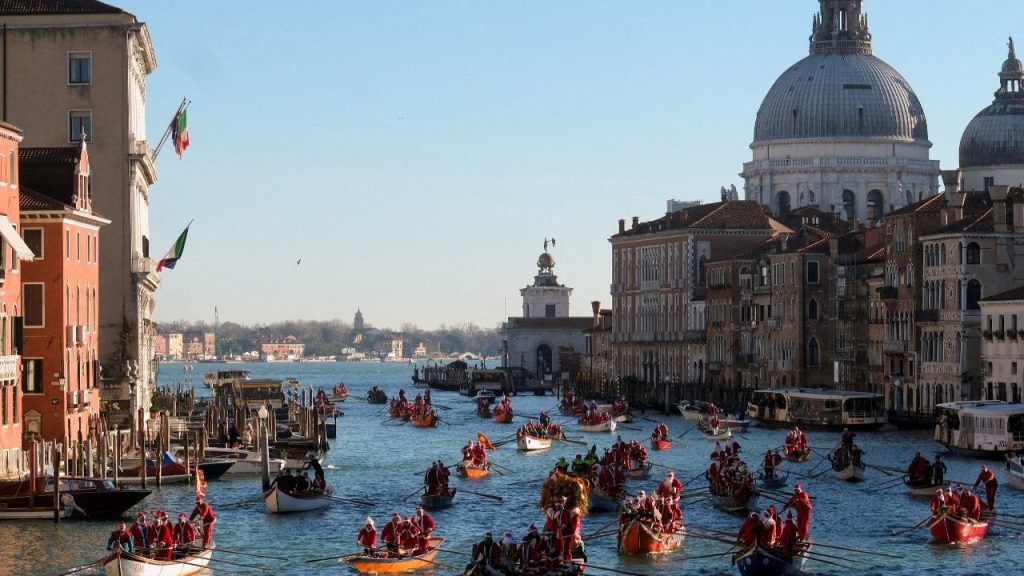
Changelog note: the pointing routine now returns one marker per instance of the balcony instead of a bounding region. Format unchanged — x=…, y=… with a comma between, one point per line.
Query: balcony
x=894, y=347
x=142, y=265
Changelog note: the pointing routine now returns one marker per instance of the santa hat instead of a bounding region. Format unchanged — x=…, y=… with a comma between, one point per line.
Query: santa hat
x=369, y=522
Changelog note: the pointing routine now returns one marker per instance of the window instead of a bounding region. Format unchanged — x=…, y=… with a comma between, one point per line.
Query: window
x=973, y=253
x=813, y=353
x=812, y=272
x=32, y=375
x=549, y=310
x=79, y=68
x=67, y=244
x=812, y=309
x=79, y=121
x=34, y=239
x=1013, y=368
x=78, y=246
x=33, y=301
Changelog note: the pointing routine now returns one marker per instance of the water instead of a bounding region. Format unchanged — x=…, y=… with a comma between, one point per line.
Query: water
x=374, y=459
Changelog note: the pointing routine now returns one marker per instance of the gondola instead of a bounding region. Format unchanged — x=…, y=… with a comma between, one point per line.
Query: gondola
x=760, y=561
x=282, y=502
x=90, y=498
x=636, y=537
x=374, y=565
x=438, y=501
x=339, y=393
x=121, y=563
x=949, y=529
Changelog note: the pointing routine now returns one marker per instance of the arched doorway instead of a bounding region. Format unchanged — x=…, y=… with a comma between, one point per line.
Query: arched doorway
x=543, y=359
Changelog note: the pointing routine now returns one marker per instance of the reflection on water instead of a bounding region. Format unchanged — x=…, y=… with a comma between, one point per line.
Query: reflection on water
x=376, y=460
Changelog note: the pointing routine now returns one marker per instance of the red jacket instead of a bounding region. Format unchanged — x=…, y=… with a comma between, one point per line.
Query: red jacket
x=205, y=512
x=367, y=537
x=986, y=477
x=389, y=534
x=184, y=533
x=800, y=502
x=748, y=531
x=140, y=535
x=424, y=523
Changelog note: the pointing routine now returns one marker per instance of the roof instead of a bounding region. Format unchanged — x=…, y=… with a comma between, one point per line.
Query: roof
x=30, y=200
x=988, y=408
x=818, y=393
x=973, y=223
x=728, y=215
x=41, y=7
x=50, y=171
x=55, y=156
x=1011, y=294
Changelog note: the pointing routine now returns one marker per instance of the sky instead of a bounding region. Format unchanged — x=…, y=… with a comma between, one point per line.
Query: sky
x=415, y=155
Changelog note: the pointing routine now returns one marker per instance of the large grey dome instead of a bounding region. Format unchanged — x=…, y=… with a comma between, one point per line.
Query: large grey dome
x=837, y=95
x=996, y=135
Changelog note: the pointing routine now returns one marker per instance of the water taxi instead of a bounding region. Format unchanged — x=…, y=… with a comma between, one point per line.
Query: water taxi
x=216, y=379
x=817, y=408
x=987, y=429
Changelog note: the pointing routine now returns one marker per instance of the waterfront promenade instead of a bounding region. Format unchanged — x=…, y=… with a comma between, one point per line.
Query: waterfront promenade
x=375, y=459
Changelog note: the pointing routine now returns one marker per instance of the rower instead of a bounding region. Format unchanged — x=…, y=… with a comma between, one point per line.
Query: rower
x=670, y=486
x=789, y=535
x=769, y=465
x=184, y=534
x=801, y=502
x=367, y=537
x=122, y=538
x=389, y=534
x=425, y=524
x=485, y=552
x=748, y=530
x=988, y=479
x=205, y=512
x=140, y=532
x=938, y=470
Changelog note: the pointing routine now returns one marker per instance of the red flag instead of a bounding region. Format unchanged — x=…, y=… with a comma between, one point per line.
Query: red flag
x=200, y=483
x=484, y=441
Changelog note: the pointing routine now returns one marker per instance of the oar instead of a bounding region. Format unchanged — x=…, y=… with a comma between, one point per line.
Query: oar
x=491, y=496
x=699, y=474
x=225, y=550
x=720, y=554
x=80, y=568
x=348, y=501
x=882, y=470
x=634, y=428
x=418, y=490
x=661, y=465
x=527, y=481
x=453, y=552
x=915, y=527
x=886, y=483
x=589, y=565
x=505, y=468
x=597, y=535
x=805, y=554
x=687, y=432
x=694, y=494
x=601, y=529
x=240, y=502
x=571, y=441
x=442, y=406
x=249, y=566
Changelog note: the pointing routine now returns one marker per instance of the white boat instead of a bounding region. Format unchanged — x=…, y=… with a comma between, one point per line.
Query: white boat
x=529, y=443
x=121, y=563
x=281, y=502
x=714, y=434
x=987, y=429
x=1015, y=474
x=852, y=473
x=692, y=410
x=817, y=408
x=246, y=461
x=216, y=379
x=606, y=426
x=739, y=423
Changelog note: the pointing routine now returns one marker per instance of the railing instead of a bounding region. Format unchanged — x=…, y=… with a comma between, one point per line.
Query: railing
x=866, y=414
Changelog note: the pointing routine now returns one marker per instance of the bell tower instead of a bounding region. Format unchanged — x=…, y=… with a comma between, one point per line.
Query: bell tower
x=840, y=27
x=546, y=298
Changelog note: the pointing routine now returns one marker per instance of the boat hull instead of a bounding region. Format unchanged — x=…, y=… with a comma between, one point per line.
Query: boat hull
x=125, y=564
x=851, y=473
x=948, y=529
x=370, y=565
x=503, y=417
x=737, y=424
x=1015, y=477
x=279, y=502
x=602, y=502
x=636, y=537
x=437, y=502
x=470, y=471
x=723, y=433
x=798, y=455
x=758, y=561
x=642, y=471
x=779, y=480
x=920, y=488
x=607, y=426
x=733, y=504
x=660, y=444
x=530, y=443
x=428, y=421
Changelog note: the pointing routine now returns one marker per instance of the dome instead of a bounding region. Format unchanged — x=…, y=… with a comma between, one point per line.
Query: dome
x=837, y=95
x=996, y=135
x=545, y=260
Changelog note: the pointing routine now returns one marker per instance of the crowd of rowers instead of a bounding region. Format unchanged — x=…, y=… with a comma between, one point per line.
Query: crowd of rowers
x=474, y=454
x=660, y=511
x=545, y=428
x=419, y=408
x=375, y=394
x=775, y=534
x=660, y=433
x=619, y=460
x=572, y=405
x=165, y=540
x=400, y=538
x=435, y=480
x=502, y=406
x=796, y=441
x=536, y=554
x=323, y=404
x=961, y=502
x=727, y=474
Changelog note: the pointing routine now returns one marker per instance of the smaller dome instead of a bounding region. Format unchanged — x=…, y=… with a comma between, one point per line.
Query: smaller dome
x=1012, y=66
x=995, y=137
x=545, y=260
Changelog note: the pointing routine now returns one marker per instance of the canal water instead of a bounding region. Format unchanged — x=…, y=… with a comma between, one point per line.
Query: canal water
x=381, y=461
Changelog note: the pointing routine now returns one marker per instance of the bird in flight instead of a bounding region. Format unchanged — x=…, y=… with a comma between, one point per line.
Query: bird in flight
x=299, y=261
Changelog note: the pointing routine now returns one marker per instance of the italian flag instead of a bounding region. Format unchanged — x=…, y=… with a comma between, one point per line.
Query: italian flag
x=179, y=132
x=175, y=252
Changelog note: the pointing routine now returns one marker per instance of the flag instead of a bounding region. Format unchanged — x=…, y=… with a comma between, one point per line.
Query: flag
x=200, y=483
x=175, y=252
x=484, y=441
x=179, y=132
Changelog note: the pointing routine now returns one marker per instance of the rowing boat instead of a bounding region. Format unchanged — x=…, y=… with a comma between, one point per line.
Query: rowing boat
x=605, y=426
x=437, y=501
x=714, y=434
x=921, y=488
x=949, y=529
x=468, y=470
x=636, y=537
x=529, y=443
x=853, y=472
x=374, y=565
x=641, y=470
x=280, y=502
x=760, y=561
x=121, y=563
x=427, y=420
x=502, y=416
x=601, y=501
x=660, y=443
x=796, y=454
x=778, y=479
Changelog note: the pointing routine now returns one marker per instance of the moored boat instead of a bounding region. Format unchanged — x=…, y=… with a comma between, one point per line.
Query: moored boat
x=281, y=502
x=389, y=565
x=636, y=537
x=949, y=529
x=987, y=429
x=83, y=497
x=470, y=470
x=529, y=443
x=757, y=560
x=246, y=461
x=817, y=408
x=693, y=410
x=121, y=563
x=438, y=501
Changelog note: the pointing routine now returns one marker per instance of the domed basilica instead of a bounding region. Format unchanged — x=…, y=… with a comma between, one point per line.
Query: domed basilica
x=840, y=130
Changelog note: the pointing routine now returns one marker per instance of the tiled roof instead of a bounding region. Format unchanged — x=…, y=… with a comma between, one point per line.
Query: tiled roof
x=40, y=7
x=31, y=200
x=930, y=203
x=731, y=215
x=50, y=171
x=58, y=156
x=811, y=216
x=974, y=223
x=1012, y=294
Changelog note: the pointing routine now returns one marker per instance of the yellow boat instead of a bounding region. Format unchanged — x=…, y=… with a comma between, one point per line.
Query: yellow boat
x=372, y=565
x=467, y=470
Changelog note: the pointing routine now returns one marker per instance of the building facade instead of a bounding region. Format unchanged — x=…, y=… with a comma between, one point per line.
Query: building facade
x=74, y=70
x=1002, y=346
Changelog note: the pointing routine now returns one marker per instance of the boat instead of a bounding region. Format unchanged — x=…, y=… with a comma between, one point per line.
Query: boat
x=469, y=470
x=246, y=461
x=739, y=423
x=387, y=565
x=693, y=410
x=660, y=443
x=640, y=470
x=438, y=501
x=601, y=501
x=760, y=561
x=339, y=393
x=121, y=563
x=733, y=503
x=987, y=429
x=817, y=408
x=486, y=395
x=714, y=434
x=218, y=378
x=214, y=468
x=1015, y=474
x=32, y=513
x=502, y=416
x=921, y=487
x=529, y=443
x=281, y=502
x=636, y=537
x=426, y=420
x=949, y=529
x=794, y=454
x=779, y=480
x=376, y=396
x=89, y=497
x=849, y=471
x=603, y=426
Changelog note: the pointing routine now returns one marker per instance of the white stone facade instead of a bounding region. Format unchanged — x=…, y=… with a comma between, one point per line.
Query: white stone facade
x=1002, y=350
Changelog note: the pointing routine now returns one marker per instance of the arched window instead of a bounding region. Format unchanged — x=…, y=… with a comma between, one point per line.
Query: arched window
x=875, y=206
x=973, y=253
x=942, y=254
x=910, y=196
x=812, y=309
x=810, y=197
x=783, y=203
x=813, y=353
x=973, y=294
x=849, y=205
x=960, y=253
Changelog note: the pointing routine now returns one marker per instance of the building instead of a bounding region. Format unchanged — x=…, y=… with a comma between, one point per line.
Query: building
x=597, y=372
x=79, y=68
x=287, y=349
x=395, y=346
x=545, y=340
x=1002, y=345
x=357, y=322
x=60, y=288
x=841, y=129
x=160, y=346
x=12, y=250
x=175, y=345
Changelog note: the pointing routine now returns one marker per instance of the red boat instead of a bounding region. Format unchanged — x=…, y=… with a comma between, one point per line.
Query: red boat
x=636, y=537
x=948, y=529
x=660, y=443
x=426, y=420
x=501, y=415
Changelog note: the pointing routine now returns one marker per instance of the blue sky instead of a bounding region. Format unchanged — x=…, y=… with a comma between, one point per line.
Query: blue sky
x=415, y=155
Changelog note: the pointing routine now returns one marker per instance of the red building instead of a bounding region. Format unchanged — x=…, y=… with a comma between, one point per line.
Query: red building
x=60, y=287
x=12, y=249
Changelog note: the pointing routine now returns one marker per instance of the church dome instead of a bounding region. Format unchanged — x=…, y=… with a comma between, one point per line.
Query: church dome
x=996, y=135
x=841, y=90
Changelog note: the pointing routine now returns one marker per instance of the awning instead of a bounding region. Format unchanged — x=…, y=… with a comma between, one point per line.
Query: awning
x=21, y=250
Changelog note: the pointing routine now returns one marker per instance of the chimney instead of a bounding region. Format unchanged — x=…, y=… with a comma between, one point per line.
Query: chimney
x=998, y=195
x=833, y=247
x=954, y=197
x=622, y=225
x=596, y=307
x=636, y=222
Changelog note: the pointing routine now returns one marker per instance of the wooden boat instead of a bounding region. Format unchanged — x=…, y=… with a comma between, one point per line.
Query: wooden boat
x=246, y=461
x=760, y=561
x=121, y=563
x=660, y=443
x=339, y=393
x=947, y=529
x=853, y=472
x=529, y=443
x=606, y=426
x=1015, y=474
x=779, y=480
x=428, y=420
x=89, y=497
x=438, y=501
x=502, y=416
x=640, y=470
x=739, y=424
x=467, y=470
x=734, y=503
x=796, y=455
x=483, y=410
x=281, y=502
x=378, y=397
x=692, y=410
x=373, y=565
x=714, y=434
x=919, y=488
x=636, y=537
x=601, y=501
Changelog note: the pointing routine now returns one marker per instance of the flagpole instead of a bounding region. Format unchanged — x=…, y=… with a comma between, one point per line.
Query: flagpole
x=185, y=102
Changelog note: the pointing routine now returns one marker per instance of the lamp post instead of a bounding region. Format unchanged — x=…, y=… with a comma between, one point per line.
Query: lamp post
x=264, y=447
